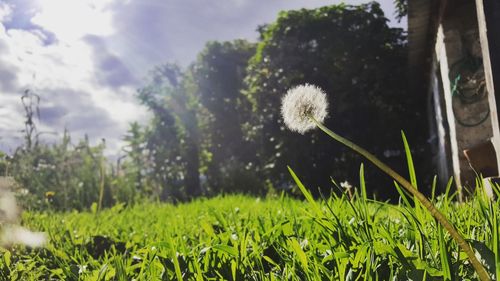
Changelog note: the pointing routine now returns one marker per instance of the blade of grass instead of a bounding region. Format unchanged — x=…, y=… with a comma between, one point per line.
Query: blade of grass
x=306, y=194
x=496, y=241
x=444, y=255
x=409, y=161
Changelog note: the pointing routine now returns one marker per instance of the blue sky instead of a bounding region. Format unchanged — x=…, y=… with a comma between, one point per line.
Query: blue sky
x=87, y=58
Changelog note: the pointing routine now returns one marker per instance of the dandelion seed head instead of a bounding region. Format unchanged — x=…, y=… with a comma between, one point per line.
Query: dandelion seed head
x=11, y=233
x=20, y=235
x=302, y=102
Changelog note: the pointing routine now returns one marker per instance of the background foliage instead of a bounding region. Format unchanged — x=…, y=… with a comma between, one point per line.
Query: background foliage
x=351, y=53
x=216, y=128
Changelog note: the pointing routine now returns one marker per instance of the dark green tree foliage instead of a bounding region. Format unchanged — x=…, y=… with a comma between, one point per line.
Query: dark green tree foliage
x=136, y=165
x=218, y=74
x=401, y=8
x=172, y=140
x=4, y=164
x=351, y=53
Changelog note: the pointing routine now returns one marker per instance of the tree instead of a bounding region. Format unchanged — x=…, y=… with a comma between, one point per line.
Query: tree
x=351, y=53
x=173, y=138
x=218, y=74
x=401, y=9
x=137, y=156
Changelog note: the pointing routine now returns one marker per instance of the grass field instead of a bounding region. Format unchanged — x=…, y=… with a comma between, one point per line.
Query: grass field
x=247, y=238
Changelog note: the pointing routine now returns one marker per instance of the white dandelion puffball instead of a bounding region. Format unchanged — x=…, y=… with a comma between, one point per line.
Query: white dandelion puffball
x=20, y=235
x=302, y=102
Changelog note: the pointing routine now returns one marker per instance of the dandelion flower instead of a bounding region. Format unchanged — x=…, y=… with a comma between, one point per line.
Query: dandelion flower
x=300, y=104
x=21, y=235
x=10, y=232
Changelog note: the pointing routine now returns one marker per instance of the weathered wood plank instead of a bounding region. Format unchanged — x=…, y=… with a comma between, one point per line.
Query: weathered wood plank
x=483, y=37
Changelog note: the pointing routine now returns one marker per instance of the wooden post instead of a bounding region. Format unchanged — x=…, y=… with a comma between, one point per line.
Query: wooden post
x=469, y=97
x=483, y=37
x=443, y=62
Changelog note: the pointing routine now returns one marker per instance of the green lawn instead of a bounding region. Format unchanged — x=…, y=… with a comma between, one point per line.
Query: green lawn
x=247, y=238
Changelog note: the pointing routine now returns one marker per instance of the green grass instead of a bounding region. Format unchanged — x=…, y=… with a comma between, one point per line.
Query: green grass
x=245, y=238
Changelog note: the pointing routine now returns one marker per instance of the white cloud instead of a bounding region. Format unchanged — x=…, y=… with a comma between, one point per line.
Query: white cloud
x=71, y=20
x=5, y=12
x=175, y=31
x=51, y=59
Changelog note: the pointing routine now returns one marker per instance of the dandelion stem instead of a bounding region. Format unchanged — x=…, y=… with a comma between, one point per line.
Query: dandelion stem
x=481, y=271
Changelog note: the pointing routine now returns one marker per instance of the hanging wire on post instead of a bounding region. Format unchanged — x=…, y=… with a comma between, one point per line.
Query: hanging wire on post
x=468, y=86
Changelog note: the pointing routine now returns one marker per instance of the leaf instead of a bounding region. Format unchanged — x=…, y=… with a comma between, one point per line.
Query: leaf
x=409, y=160
x=173, y=255
x=444, y=254
x=208, y=228
x=226, y=249
x=268, y=259
x=301, y=256
x=93, y=208
x=306, y=194
x=6, y=258
x=102, y=272
x=362, y=182
x=486, y=255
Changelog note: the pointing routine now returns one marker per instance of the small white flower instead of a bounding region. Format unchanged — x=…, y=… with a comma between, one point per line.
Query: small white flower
x=24, y=191
x=304, y=243
x=352, y=220
x=346, y=185
x=302, y=102
x=20, y=235
x=82, y=269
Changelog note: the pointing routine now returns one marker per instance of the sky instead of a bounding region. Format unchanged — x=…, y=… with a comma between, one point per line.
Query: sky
x=87, y=58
